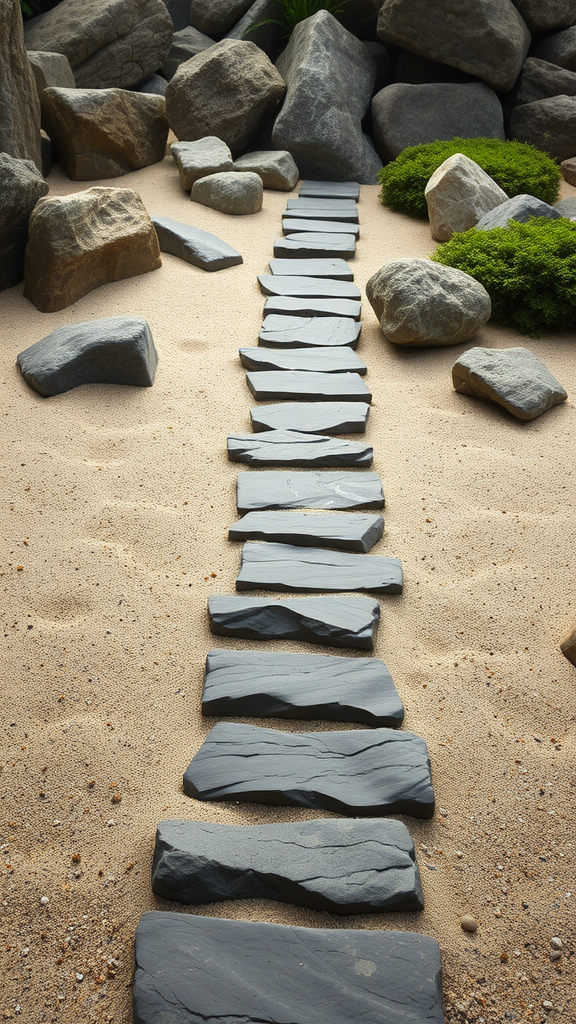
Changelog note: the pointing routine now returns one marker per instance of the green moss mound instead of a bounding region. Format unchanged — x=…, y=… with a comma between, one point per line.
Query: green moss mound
x=528, y=270
x=516, y=166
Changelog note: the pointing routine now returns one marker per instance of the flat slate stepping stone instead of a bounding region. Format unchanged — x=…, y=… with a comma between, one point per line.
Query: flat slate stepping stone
x=309, y=332
x=321, y=203
x=285, y=567
x=315, y=244
x=314, y=489
x=294, y=448
x=513, y=377
x=312, y=417
x=307, y=287
x=267, y=385
x=355, y=531
x=307, y=360
x=336, y=269
x=200, y=248
x=330, y=189
x=331, y=621
x=288, y=305
x=363, y=772
x=348, y=216
x=293, y=225
x=337, y=865
x=192, y=969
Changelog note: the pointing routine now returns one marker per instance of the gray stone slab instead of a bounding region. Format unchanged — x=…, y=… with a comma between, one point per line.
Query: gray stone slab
x=312, y=417
x=292, y=225
x=513, y=377
x=354, y=531
x=330, y=189
x=200, y=248
x=315, y=244
x=309, y=332
x=331, y=864
x=321, y=203
x=273, y=385
x=342, y=359
x=336, y=269
x=293, y=448
x=308, y=287
x=287, y=305
x=330, y=621
x=363, y=772
x=314, y=489
x=291, y=569
x=272, y=684
x=331, y=213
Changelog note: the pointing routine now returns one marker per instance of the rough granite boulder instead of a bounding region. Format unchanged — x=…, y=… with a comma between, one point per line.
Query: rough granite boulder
x=559, y=48
x=107, y=42
x=103, y=133
x=215, y=17
x=19, y=104
x=515, y=378
x=21, y=186
x=519, y=208
x=50, y=69
x=198, y=159
x=276, y=168
x=566, y=207
x=81, y=241
x=229, y=192
x=186, y=43
x=329, y=77
x=548, y=124
x=539, y=79
x=544, y=15
x=568, y=645
x=422, y=303
x=458, y=194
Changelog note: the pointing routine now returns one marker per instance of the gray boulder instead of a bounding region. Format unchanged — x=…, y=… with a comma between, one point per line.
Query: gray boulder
x=21, y=186
x=422, y=303
x=544, y=15
x=559, y=48
x=539, y=79
x=513, y=377
x=229, y=192
x=382, y=58
x=566, y=207
x=215, y=17
x=117, y=350
x=199, y=159
x=329, y=78
x=408, y=115
x=154, y=85
x=276, y=168
x=50, y=69
x=549, y=124
x=187, y=43
x=519, y=208
x=458, y=194
x=19, y=104
x=261, y=25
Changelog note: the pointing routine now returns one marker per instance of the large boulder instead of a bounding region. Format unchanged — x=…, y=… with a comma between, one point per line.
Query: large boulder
x=103, y=133
x=548, y=124
x=539, y=79
x=21, y=186
x=276, y=168
x=544, y=15
x=199, y=159
x=487, y=39
x=515, y=378
x=458, y=194
x=185, y=44
x=215, y=17
x=422, y=303
x=229, y=192
x=19, y=103
x=408, y=115
x=50, y=69
x=81, y=241
x=107, y=42
x=229, y=90
x=261, y=25
x=520, y=208
x=329, y=77
x=559, y=48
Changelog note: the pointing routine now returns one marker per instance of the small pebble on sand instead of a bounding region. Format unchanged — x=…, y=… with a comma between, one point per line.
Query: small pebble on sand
x=556, y=942
x=468, y=923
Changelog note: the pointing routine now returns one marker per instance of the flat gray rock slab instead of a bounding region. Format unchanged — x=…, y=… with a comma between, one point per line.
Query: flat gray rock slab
x=342, y=359
x=315, y=489
x=321, y=203
x=312, y=417
x=309, y=332
x=270, y=385
x=336, y=269
x=308, y=287
x=191, y=969
x=330, y=213
x=271, y=684
x=330, y=621
x=330, y=189
x=337, y=865
x=354, y=531
x=287, y=305
x=200, y=248
x=315, y=244
x=287, y=568
x=292, y=225
x=364, y=772
x=513, y=377
x=292, y=448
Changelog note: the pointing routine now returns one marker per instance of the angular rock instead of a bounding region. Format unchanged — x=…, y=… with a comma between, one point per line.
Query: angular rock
x=116, y=350
x=320, y=201
x=186, y=43
x=360, y=773
x=287, y=305
x=217, y=16
x=559, y=48
x=299, y=332
x=271, y=489
x=331, y=213
x=292, y=225
x=155, y=85
x=81, y=241
x=288, y=568
x=315, y=244
x=21, y=186
x=200, y=248
x=199, y=159
x=50, y=69
x=310, y=360
x=329, y=78
x=229, y=90
x=294, y=448
x=103, y=133
x=229, y=192
x=568, y=646
x=543, y=15
x=417, y=303
x=566, y=207
x=261, y=25
x=276, y=168
x=312, y=417
x=344, y=191
x=356, y=531
x=547, y=124
x=336, y=269
x=513, y=377
x=519, y=208
x=108, y=43
x=539, y=79
x=274, y=385
x=307, y=287
x=19, y=106
x=458, y=194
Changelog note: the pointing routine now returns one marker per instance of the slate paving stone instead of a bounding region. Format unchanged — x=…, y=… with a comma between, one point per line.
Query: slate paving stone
x=293, y=448
x=307, y=287
x=315, y=244
x=341, y=359
x=291, y=225
x=513, y=377
x=191, y=969
x=321, y=203
x=332, y=213
x=271, y=684
x=355, y=531
x=330, y=621
x=337, y=269
x=200, y=248
x=270, y=489
x=286, y=567
x=330, y=189
x=288, y=305
x=270, y=385
x=312, y=417
x=336, y=865
x=364, y=772
x=309, y=332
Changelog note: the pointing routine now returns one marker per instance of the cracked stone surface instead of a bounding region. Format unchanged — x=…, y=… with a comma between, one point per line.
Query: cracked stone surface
x=321, y=203
x=309, y=332
x=341, y=359
x=362, y=772
x=292, y=225
x=513, y=377
x=330, y=213
x=308, y=287
x=200, y=248
x=330, y=621
x=341, y=866
x=294, y=448
x=286, y=567
x=317, y=244
x=330, y=189
x=288, y=305
x=268, y=385
x=324, y=489
x=336, y=269
x=354, y=531
x=312, y=417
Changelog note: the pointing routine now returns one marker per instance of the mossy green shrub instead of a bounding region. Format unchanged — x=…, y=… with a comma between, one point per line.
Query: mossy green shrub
x=528, y=270
x=516, y=166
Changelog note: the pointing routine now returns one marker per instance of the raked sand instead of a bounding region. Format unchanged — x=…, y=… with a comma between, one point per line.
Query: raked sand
x=116, y=513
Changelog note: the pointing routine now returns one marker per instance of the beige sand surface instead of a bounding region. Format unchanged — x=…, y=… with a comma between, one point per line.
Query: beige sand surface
x=119, y=502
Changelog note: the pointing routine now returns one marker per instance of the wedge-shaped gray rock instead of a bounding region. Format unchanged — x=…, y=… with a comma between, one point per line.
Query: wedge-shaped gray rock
x=286, y=305
x=312, y=417
x=513, y=377
x=216, y=16
x=292, y=448
x=199, y=159
x=315, y=244
x=186, y=43
x=307, y=287
x=458, y=194
x=559, y=47
x=547, y=124
x=50, y=69
x=356, y=531
x=317, y=213
x=309, y=332
x=191, y=969
x=543, y=16
x=21, y=186
x=342, y=359
x=260, y=24
x=272, y=385
x=293, y=225
x=341, y=190
x=330, y=621
x=519, y=208
x=539, y=79
x=276, y=168
x=228, y=192
x=336, y=269
x=321, y=202
x=270, y=684
x=195, y=246
x=341, y=866
x=116, y=350
x=285, y=567
x=566, y=207
x=275, y=489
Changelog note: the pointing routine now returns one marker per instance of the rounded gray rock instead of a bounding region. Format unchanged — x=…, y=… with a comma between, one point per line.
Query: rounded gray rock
x=230, y=192
x=275, y=166
x=519, y=208
x=548, y=124
x=198, y=159
x=559, y=48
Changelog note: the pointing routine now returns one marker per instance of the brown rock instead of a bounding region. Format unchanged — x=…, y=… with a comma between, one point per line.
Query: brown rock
x=568, y=168
x=19, y=104
x=568, y=645
x=21, y=186
x=81, y=241
x=469, y=924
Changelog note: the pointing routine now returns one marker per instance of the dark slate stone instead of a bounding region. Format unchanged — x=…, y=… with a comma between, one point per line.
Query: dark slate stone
x=293, y=448
x=116, y=350
x=355, y=531
x=292, y=225
x=307, y=287
x=330, y=189
x=270, y=385
x=285, y=567
x=287, y=305
x=337, y=865
x=271, y=684
x=331, y=213
x=312, y=417
x=513, y=377
x=195, y=246
x=338, y=490
x=330, y=621
x=302, y=332
x=363, y=772
x=336, y=269
x=191, y=969
x=321, y=203
x=342, y=359
x=519, y=208
x=315, y=244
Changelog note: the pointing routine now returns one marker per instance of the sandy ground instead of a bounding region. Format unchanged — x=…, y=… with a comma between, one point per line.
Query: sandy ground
x=119, y=503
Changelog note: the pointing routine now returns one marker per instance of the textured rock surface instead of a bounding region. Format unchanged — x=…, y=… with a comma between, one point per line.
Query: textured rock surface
x=312, y=417
x=287, y=567
x=355, y=531
x=293, y=448
x=331, y=213
x=519, y=208
x=338, y=490
x=155, y=85
x=261, y=26
x=21, y=186
x=50, y=69
x=108, y=43
x=229, y=192
x=201, y=248
x=315, y=244
x=273, y=385
x=543, y=15
x=558, y=48
x=345, y=867
x=216, y=16
x=325, y=360
x=307, y=287
x=19, y=105
x=568, y=645
x=287, y=305
x=84, y=240
x=330, y=621
x=458, y=194
x=186, y=43
x=198, y=159
x=513, y=377
x=566, y=207
x=302, y=332
x=539, y=79
x=336, y=269
x=547, y=124
x=276, y=168
x=116, y=350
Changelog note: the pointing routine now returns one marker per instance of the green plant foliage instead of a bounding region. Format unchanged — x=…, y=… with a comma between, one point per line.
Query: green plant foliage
x=528, y=270
x=294, y=11
x=516, y=166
